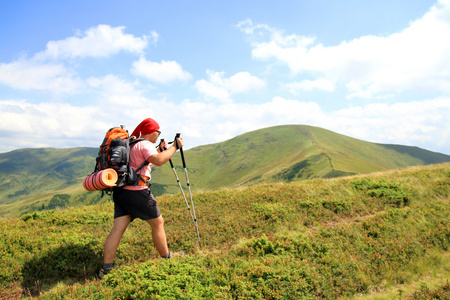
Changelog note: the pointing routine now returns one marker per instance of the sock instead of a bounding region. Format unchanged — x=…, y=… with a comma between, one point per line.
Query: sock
x=108, y=266
x=168, y=255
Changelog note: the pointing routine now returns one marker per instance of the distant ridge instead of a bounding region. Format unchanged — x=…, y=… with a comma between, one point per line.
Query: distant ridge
x=30, y=178
x=428, y=157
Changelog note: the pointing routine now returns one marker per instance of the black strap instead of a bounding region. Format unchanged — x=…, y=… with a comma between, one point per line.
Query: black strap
x=141, y=166
x=134, y=141
x=145, y=162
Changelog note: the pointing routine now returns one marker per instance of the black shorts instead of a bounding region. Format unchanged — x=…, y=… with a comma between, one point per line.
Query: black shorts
x=137, y=204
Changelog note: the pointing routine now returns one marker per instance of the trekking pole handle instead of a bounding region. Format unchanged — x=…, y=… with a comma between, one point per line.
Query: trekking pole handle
x=181, y=149
x=162, y=140
x=175, y=141
x=159, y=146
x=162, y=150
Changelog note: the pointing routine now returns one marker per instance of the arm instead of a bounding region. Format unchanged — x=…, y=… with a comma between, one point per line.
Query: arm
x=162, y=157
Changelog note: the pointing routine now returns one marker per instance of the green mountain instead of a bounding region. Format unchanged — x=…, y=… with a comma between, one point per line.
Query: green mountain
x=39, y=179
x=295, y=152
x=33, y=179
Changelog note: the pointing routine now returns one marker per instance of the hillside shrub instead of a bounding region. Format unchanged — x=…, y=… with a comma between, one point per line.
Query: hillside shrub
x=58, y=201
x=425, y=293
x=391, y=193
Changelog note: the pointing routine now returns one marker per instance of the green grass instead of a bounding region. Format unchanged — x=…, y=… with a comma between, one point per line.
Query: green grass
x=380, y=235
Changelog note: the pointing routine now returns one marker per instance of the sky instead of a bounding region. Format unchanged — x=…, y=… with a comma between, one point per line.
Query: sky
x=376, y=70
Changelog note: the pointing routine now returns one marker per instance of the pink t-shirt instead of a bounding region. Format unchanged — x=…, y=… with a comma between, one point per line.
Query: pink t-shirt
x=139, y=153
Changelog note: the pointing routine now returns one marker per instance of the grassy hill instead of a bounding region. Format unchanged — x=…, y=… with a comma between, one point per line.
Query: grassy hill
x=41, y=179
x=380, y=236
x=296, y=152
x=31, y=178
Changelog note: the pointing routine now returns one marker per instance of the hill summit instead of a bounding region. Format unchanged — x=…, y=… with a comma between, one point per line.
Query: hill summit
x=296, y=152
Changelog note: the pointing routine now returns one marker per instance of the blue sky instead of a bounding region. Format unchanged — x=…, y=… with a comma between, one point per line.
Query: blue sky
x=212, y=70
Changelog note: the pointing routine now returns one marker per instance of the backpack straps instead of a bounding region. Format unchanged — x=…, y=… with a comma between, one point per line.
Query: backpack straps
x=140, y=177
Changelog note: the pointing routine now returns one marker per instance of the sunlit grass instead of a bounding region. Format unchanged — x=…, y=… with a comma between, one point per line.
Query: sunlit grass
x=361, y=237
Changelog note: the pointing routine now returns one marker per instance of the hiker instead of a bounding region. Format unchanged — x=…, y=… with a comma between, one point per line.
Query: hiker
x=137, y=201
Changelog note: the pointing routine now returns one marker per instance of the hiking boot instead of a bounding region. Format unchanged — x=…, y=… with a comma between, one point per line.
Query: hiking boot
x=103, y=272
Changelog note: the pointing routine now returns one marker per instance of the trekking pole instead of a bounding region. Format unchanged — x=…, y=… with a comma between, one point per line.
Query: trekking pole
x=194, y=218
x=189, y=188
x=179, y=184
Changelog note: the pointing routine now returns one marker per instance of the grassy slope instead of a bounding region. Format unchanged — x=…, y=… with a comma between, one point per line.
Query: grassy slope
x=28, y=172
x=30, y=178
x=380, y=236
x=356, y=156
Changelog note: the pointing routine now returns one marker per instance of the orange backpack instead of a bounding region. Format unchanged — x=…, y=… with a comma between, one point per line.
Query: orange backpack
x=114, y=152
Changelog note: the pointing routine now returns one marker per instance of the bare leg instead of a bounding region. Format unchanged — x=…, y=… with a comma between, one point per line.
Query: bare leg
x=159, y=235
x=113, y=239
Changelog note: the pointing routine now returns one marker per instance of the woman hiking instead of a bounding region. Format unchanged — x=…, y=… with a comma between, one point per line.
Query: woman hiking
x=137, y=201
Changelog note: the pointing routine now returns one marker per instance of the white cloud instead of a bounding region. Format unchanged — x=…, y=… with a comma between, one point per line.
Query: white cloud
x=309, y=85
x=47, y=124
x=115, y=91
x=417, y=58
x=42, y=73
x=413, y=123
x=100, y=41
x=24, y=124
x=28, y=75
x=221, y=88
x=164, y=72
x=419, y=123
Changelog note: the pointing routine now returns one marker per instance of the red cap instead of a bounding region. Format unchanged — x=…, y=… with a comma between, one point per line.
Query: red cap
x=145, y=127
